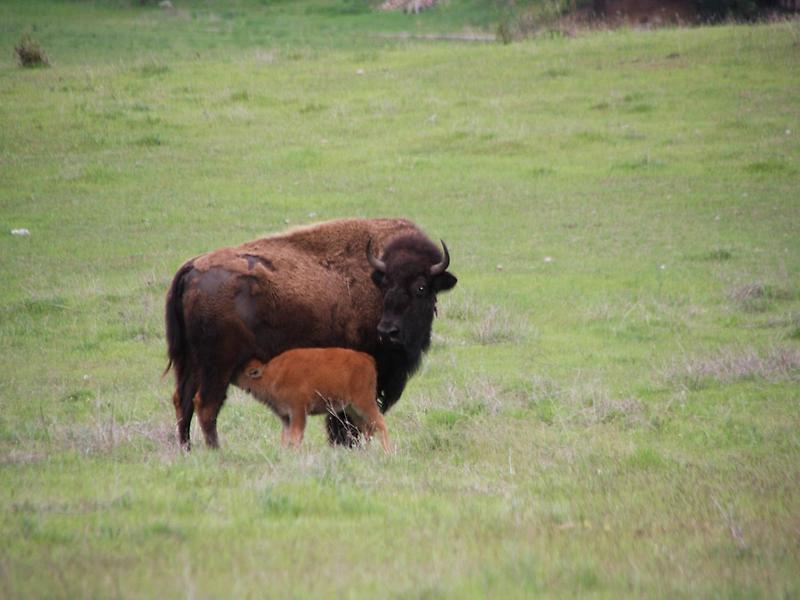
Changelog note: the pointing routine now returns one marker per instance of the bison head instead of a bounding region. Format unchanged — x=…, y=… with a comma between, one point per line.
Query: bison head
x=410, y=273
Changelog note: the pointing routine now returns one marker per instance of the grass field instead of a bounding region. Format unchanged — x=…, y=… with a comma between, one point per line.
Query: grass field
x=611, y=402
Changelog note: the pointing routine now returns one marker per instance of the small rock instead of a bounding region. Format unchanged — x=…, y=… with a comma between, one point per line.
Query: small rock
x=286, y=221
x=499, y=267
x=548, y=259
x=360, y=72
x=165, y=4
x=22, y=232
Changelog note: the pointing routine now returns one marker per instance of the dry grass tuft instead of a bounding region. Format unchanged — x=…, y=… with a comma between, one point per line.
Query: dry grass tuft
x=29, y=53
x=105, y=435
x=407, y=6
x=777, y=364
x=21, y=457
x=586, y=401
x=465, y=307
x=487, y=325
x=498, y=326
x=269, y=57
x=478, y=396
x=621, y=314
x=747, y=292
x=756, y=296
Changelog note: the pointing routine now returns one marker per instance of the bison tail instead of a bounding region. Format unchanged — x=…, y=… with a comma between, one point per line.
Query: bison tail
x=176, y=328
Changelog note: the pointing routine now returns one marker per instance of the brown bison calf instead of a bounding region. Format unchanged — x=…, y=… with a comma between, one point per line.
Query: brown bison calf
x=316, y=381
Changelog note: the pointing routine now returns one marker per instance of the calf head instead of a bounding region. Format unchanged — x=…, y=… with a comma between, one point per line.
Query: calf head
x=410, y=273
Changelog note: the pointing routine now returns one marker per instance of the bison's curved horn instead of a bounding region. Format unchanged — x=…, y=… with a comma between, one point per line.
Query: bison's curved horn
x=376, y=263
x=442, y=266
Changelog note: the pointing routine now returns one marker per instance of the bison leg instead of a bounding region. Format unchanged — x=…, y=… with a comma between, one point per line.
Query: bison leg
x=183, y=417
x=207, y=405
x=184, y=409
x=341, y=430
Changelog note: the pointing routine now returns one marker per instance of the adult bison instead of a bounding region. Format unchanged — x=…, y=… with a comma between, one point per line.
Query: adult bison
x=317, y=286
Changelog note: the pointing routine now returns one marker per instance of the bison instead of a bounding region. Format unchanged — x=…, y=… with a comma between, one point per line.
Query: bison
x=316, y=381
x=316, y=286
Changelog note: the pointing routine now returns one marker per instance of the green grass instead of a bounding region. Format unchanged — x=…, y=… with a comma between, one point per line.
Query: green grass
x=610, y=405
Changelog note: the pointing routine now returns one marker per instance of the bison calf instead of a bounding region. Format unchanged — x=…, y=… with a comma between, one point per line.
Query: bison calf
x=315, y=381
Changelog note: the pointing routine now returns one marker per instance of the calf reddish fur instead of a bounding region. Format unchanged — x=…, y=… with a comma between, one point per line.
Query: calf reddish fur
x=315, y=381
x=308, y=287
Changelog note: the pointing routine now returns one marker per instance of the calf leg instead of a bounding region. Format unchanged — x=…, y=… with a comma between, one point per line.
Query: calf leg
x=297, y=425
x=380, y=425
x=285, y=431
x=367, y=410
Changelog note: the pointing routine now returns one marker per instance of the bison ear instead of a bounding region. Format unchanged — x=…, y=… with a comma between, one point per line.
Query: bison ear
x=377, y=277
x=443, y=282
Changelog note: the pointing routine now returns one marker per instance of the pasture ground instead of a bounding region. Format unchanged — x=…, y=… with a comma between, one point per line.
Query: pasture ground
x=610, y=405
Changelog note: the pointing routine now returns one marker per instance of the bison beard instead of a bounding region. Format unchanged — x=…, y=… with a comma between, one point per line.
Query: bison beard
x=310, y=287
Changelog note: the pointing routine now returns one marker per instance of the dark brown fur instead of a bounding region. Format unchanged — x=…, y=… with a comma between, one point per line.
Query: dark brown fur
x=308, y=287
x=316, y=381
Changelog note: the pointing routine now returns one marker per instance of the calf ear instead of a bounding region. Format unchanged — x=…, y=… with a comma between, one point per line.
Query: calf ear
x=443, y=282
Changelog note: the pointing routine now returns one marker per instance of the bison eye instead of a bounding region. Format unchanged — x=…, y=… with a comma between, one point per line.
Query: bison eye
x=421, y=291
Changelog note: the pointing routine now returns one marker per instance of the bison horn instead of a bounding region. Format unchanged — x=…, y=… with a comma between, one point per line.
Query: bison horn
x=442, y=266
x=376, y=263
